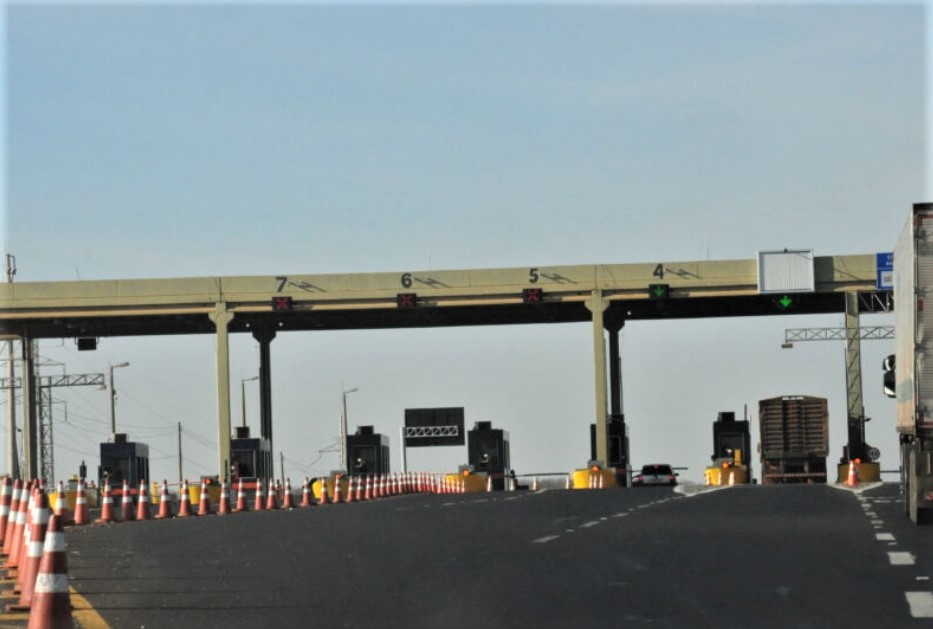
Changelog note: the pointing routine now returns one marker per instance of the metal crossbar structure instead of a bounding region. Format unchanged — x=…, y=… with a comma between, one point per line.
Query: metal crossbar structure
x=425, y=432
x=877, y=333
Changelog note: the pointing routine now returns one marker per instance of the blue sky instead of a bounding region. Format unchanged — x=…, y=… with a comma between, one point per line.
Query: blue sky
x=190, y=140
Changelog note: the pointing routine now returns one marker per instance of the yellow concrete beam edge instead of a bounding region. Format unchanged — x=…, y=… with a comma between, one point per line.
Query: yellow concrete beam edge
x=82, y=611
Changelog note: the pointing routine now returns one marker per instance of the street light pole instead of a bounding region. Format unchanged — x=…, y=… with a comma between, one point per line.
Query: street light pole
x=243, y=382
x=343, y=429
x=113, y=399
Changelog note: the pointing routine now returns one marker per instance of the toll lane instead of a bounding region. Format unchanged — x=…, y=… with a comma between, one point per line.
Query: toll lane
x=795, y=556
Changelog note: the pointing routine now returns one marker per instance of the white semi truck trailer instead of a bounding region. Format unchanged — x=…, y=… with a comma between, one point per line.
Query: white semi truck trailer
x=912, y=381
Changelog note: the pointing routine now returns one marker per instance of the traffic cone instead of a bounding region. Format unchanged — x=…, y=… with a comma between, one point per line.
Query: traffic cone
x=359, y=488
x=61, y=504
x=142, y=504
x=127, y=509
x=204, y=504
x=241, y=504
x=534, y=484
x=567, y=484
x=224, y=507
x=305, y=494
x=601, y=482
x=82, y=514
x=488, y=484
x=350, y=497
x=106, y=506
x=852, y=479
x=258, y=502
x=323, y=500
x=184, y=501
x=272, y=502
x=336, y=499
x=29, y=566
x=51, y=603
x=165, y=504
x=15, y=497
x=287, y=500
x=25, y=504
x=6, y=495
x=368, y=491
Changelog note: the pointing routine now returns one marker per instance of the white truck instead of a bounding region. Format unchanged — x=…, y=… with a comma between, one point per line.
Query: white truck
x=912, y=381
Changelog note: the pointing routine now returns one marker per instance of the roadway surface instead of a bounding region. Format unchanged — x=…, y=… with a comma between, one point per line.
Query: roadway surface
x=767, y=556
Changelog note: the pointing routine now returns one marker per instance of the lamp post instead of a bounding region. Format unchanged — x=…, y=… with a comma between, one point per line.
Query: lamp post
x=243, y=382
x=343, y=429
x=113, y=399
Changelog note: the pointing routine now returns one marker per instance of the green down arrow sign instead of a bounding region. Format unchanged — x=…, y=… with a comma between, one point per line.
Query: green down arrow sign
x=785, y=302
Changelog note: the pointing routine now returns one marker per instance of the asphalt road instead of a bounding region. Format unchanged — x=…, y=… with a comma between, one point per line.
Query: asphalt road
x=766, y=556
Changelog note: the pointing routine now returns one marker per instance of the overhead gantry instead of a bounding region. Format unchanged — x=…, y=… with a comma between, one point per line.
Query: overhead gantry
x=605, y=295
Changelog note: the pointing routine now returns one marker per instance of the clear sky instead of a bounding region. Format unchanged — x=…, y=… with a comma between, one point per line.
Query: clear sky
x=167, y=140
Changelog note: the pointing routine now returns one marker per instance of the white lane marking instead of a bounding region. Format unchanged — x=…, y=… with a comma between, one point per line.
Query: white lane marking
x=871, y=514
x=620, y=515
x=901, y=559
x=877, y=522
x=884, y=537
x=589, y=524
x=922, y=578
x=545, y=539
x=603, y=519
x=921, y=604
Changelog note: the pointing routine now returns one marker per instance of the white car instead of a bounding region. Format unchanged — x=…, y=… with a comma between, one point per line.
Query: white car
x=655, y=474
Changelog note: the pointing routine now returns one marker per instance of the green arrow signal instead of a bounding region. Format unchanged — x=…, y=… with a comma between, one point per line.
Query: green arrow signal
x=785, y=302
x=659, y=291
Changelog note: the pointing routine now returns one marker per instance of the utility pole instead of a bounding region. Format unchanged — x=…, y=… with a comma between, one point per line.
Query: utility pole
x=11, y=452
x=282, y=465
x=180, y=477
x=43, y=385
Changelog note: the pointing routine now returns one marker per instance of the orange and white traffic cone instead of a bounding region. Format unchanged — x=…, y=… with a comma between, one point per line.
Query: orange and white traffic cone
x=259, y=498
x=224, y=507
x=306, y=493
x=106, y=506
x=61, y=504
x=6, y=496
x=51, y=603
x=82, y=513
x=29, y=566
x=336, y=499
x=184, y=500
x=350, y=493
x=204, y=503
x=368, y=491
x=241, y=503
x=25, y=504
x=852, y=479
x=127, y=509
x=142, y=504
x=287, y=500
x=324, y=499
x=11, y=519
x=272, y=502
x=165, y=504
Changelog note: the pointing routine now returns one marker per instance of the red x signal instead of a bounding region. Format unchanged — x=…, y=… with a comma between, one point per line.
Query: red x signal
x=282, y=303
x=532, y=296
x=406, y=300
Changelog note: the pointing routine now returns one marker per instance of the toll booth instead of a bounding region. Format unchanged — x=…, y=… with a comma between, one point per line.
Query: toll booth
x=488, y=451
x=123, y=460
x=249, y=457
x=730, y=435
x=617, y=439
x=367, y=452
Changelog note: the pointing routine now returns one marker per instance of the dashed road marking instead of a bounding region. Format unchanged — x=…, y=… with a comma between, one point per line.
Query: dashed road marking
x=589, y=524
x=921, y=604
x=884, y=537
x=545, y=539
x=620, y=515
x=901, y=559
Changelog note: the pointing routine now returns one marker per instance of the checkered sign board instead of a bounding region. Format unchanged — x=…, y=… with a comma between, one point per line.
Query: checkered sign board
x=434, y=427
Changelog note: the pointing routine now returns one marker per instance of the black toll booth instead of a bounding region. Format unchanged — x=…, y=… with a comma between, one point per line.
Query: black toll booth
x=730, y=435
x=488, y=451
x=617, y=439
x=249, y=457
x=367, y=452
x=122, y=460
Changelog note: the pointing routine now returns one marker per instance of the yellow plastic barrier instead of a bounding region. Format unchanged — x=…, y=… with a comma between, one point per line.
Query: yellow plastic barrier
x=194, y=494
x=867, y=472
x=472, y=483
x=331, y=486
x=589, y=479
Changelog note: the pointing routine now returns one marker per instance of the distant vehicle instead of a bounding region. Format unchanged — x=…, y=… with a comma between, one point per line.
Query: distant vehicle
x=655, y=474
x=794, y=433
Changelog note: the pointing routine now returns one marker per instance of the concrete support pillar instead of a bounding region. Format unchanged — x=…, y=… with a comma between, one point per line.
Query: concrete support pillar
x=265, y=336
x=30, y=416
x=614, y=326
x=597, y=306
x=855, y=409
x=221, y=318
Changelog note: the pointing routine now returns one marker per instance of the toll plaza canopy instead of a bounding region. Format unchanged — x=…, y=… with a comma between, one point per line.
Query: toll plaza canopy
x=605, y=294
